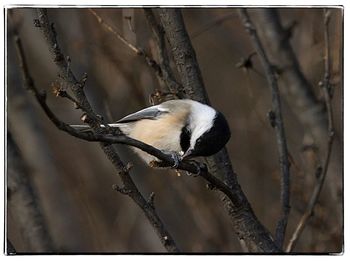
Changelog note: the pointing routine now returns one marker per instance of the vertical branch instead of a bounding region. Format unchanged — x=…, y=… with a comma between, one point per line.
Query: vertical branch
x=325, y=85
x=246, y=224
x=184, y=54
x=129, y=188
x=23, y=202
x=164, y=63
x=304, y=103
x=279, y=128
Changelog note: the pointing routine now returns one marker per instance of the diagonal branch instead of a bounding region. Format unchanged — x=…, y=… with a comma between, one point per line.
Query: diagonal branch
x=279, y=128
x=94, y=121
x=130, y=189
x=150, y=62
x=246, y=224
x=325, y=85
x=120, y=139
x=305, y=104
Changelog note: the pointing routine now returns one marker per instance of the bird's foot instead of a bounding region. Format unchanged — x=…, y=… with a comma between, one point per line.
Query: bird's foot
x=162, y=164
x=200, y=167
x=176, y=158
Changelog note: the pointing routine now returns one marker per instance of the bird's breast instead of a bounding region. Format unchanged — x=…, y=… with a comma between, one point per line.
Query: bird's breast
x=163, y=133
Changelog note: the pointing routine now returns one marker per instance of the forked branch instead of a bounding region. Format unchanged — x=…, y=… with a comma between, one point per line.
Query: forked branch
x=279, y=127
x=325, y=85
x=94, y=121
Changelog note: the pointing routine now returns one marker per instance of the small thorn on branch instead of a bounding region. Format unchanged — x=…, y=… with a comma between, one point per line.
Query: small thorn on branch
x=277, y=71
x=85, y=118
x=129, y=19
x=166, y=240
x=289, y=31
x=272, y=118
x=58, y=90
x=37, y=23
x=210, y=186
x=150, y=200
x=159, y=96
x=129, y=166
x=121, y=190
x=83, y=80
x=42, y=94
x=318, y=172
x=246, y=63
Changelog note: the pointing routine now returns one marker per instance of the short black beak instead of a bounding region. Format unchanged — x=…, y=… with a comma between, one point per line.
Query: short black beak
x=187, y=154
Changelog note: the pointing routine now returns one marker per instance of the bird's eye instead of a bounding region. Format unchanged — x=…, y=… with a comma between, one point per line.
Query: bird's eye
x=199, y=140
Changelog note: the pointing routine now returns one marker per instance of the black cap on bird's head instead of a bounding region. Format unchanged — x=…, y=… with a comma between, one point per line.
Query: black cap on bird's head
x=211, y=140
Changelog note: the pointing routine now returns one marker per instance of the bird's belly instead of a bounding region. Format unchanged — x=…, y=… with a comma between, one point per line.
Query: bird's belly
x=165, y=137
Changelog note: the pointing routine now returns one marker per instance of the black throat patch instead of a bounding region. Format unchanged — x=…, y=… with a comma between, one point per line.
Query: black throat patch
x=185, y=138
x=214, y=139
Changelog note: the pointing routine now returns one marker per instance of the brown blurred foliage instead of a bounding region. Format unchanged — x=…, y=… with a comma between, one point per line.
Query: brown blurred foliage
x=72, y=179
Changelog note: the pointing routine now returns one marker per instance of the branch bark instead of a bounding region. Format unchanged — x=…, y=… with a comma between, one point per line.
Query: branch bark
x=94, y=121
x=184, y=54
x=158, y=35
x=325, y=85
x=107, y=140
x=246, y=224
x=311, y=113
x=23, y=202
x=278, y=125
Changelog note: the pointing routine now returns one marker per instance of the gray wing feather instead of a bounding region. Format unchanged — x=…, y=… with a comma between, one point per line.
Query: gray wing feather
x=148, y=113
x=81, y=128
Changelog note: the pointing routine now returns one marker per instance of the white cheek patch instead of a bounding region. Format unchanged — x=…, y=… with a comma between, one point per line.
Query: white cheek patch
x=202, y=119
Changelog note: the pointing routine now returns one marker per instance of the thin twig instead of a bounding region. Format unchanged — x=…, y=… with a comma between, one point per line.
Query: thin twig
x=211, y=24
x=246, y=64
x=94, y=121
x=299, y=91
x=279, y=128
x=150, y=62
x=325, y=85
x=114, y=32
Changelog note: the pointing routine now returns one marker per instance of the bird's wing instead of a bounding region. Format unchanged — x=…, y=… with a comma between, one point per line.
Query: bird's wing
x=148, y=113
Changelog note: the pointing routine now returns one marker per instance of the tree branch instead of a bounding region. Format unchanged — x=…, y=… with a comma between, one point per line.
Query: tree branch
x=94, y=121
x=149, y=61
x=247, y=226
x=22, y=200
x=305, y=105
x=121, y=139
x=325, y=85
x=183, y=53
x=279, y=127
x=158, y=35
x=129, y=187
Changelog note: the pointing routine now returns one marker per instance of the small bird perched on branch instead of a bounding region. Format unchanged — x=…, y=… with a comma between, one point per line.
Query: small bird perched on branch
x=182, y=128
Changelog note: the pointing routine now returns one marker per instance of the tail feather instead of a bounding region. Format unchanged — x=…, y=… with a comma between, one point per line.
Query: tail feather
x=82, y=128
x=86, y=128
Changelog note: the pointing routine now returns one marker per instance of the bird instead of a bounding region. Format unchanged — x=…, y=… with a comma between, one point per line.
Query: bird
x=184, y=128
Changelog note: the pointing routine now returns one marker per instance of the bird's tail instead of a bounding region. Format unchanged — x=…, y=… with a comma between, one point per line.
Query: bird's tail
x=86, y=128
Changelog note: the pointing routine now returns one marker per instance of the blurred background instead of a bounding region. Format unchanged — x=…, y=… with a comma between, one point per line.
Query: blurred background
x=71, y=179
